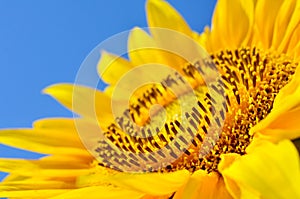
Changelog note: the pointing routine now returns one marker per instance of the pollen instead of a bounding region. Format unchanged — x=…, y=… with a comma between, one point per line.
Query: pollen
x=249, y=80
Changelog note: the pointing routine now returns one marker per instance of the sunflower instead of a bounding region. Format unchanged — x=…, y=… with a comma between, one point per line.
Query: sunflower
x=252, y=44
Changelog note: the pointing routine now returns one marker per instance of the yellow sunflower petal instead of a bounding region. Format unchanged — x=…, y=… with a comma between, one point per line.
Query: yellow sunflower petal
x=224, y=21
x=112, y=67
x=100, y=192
x=52, y=127
x=56, y=123
x=54, y=137
x=288, y=18
x=203, y=185
x=264, y=21
x=65, y=94
x=294, y=44
x=270, y=170
x=85, y=101
x=232, y=186
x=226, y=161
x=172, y=34
x=32, y=184
x=162, y=15
x=286, y=126
x=10, y=165
x=46, y=193
x=156, y=197
x=204, y=39
x=142, y=48
x=42, y=141
x=61, y=160
x=152, y=183
x=41, y=169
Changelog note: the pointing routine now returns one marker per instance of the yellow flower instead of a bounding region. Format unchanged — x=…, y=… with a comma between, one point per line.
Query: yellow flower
x=254, y=46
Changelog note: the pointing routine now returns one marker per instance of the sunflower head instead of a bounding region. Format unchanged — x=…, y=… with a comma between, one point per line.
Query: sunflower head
x=184, y=115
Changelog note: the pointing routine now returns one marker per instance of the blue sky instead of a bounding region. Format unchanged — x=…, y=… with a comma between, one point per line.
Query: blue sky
x=45, y=42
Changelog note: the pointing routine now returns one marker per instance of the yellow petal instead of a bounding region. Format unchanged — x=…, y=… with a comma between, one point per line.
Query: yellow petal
x=172, y=35
x=203, y=185
x=268, y=170
x=288, y=18
x=264, y=21
x=100, y=192
x=41, y=141
x=39, y=169
x=294, y=44
x=32, y=193
x=162, y=15
x=49, y=132
x=152, y=183
x=52, y=128
x=39, y=136
x=289, y=92
x=56, y=123
x=226, y=31
x=85, y=101
x=204, y=39
x=286, y=126
x=112, y=67
x=10, y=165
x=233, y=188
x=143, y=49
x=34, y=184
x=226, y=161
x=156, y=197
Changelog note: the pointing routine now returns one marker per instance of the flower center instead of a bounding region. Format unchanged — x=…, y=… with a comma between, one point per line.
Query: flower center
x=251, y=78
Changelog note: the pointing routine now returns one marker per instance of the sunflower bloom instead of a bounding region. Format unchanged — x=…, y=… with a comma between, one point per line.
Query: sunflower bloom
x=253, y=45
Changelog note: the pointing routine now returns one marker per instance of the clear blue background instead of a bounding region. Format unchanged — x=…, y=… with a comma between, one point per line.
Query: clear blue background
x=44, y=42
